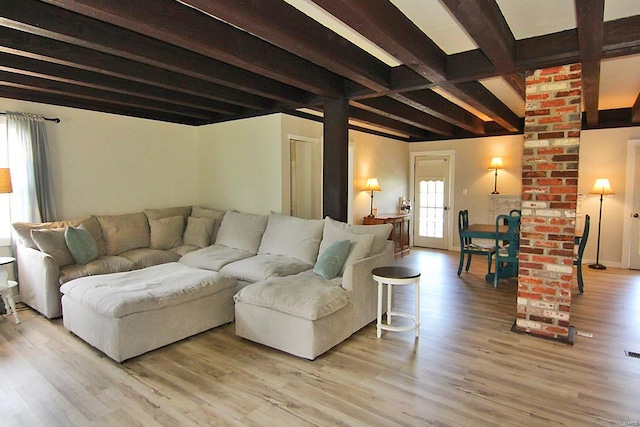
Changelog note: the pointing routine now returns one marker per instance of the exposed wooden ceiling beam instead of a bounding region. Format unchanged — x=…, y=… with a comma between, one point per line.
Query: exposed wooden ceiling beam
x=45, y=20
x=104, y=107
x=481, y=98
x=75, y=76
x=436, y=105
x=302, y=36
x=183, y=26
x=387, y=123
x=589, y=16
x=635, y=110
x=381, y=22
x=53, y=51
x=484, y=22
x=391, y=108
x=97, y=95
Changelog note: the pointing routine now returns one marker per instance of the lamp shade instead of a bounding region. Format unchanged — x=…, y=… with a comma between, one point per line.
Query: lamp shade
x=601, y=187
x=5, y=181
x=496, y=163
x=372, y=185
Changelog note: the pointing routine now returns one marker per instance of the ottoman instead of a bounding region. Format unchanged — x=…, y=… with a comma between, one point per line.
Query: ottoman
x=130, y=313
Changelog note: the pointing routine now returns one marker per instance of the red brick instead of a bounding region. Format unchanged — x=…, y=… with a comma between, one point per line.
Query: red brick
x=553, y=103
x=552, y=119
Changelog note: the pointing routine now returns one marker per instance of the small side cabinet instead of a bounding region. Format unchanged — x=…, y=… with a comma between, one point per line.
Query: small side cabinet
x=400, y=232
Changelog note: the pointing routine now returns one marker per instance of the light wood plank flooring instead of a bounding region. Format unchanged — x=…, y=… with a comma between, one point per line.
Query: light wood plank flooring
x=466, y=368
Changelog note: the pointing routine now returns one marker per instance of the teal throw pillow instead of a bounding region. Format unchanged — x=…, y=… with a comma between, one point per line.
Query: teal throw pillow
x=331, y=260
x=81, y=244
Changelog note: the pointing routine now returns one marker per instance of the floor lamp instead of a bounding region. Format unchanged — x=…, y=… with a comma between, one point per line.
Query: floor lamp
x=372, y=185
x=496, y=163
x=601, y=187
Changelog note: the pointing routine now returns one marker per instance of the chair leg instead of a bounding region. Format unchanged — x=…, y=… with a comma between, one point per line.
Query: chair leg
x=461, y=262
x=580, y=283
x=489, y=259
x=495, y=275
x=468, y=262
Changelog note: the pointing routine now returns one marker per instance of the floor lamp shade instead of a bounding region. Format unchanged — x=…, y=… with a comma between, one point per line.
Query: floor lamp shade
x=601, y=187
x=496, y=163
x=5, y=181
x=372, y=185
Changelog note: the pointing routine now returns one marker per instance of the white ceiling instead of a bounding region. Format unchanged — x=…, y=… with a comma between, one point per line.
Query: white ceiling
x=619, y=80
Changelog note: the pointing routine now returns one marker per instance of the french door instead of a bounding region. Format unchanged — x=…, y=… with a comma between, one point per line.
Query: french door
x=431, y=196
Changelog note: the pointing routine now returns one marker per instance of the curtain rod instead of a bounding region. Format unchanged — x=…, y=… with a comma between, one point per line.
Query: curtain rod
x=56, y=120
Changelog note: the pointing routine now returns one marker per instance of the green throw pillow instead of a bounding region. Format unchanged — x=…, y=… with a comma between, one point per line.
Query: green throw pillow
x=331, y=260
x=81, y=244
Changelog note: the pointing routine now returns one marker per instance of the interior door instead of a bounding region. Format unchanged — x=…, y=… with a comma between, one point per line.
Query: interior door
x=431, y=188
x=306, y=179
x=634, y=252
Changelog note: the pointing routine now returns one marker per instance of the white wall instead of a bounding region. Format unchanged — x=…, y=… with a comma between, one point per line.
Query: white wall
x=382, y=158
x=603, y=154
x=105, y=163
x=240, y=165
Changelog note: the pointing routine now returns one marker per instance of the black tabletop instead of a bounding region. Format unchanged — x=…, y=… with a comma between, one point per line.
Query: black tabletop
x=395, y=272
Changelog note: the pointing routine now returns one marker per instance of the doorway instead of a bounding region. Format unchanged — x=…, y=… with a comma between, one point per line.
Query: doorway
x=305, y=167
x=632, y=202
x=431, y=182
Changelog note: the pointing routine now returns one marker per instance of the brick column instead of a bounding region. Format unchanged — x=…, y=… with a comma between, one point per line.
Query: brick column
x=549, y=196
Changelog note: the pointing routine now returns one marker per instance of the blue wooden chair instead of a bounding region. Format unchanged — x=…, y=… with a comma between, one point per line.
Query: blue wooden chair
x=577, y=257
x=468, y=247
x=507, y=246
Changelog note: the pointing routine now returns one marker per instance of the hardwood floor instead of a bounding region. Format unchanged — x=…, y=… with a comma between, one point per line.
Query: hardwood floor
x=466, y=368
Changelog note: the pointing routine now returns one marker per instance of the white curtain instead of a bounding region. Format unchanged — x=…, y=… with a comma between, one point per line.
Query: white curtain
x=33, y=199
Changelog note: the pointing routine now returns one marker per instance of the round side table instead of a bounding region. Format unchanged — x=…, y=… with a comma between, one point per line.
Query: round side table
x=6, y=287
x=396, y=276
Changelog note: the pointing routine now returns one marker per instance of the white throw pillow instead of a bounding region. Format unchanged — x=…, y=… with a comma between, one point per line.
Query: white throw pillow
x=334, y=231
x=293, y=237
x=242, y=231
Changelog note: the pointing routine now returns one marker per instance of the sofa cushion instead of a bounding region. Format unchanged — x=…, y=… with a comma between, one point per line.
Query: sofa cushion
x=214, y=257
x=23, y=229
x=102, y=265
x=166, y=233
x=333, y=229
x=125, y=232
x=199, y=231
x=118, y=295
x=304, y=295
x=52, y=242
x=292, y=237
x=183, y=211
x=184, y=249
x=81, y=244
x=242, y=231
x=263, y=266
x=146, y=257
x=199, y=212
x=331, y=261
x=93, y=226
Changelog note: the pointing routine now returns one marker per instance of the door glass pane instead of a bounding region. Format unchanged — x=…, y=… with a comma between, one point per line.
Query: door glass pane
x=431, y=209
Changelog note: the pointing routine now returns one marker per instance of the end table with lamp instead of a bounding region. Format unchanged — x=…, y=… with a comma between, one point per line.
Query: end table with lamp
x=7, y=286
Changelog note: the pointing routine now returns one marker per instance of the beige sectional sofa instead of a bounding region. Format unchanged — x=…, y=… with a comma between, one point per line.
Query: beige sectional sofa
x=271, y=270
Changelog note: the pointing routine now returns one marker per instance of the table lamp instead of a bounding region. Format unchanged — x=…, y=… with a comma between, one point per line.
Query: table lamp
x=372, y=185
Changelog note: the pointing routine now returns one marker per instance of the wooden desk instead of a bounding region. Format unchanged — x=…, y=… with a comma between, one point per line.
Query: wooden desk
x=400, y=232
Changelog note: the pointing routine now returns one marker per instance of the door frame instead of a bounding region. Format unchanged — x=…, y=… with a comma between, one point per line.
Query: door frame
x=286, y=170
x=628, y=202
x=412, y=172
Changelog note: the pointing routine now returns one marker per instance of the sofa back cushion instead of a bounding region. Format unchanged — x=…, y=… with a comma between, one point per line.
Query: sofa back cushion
x=292, y=237
x=381, y=233
x=23, y=229
x=125, y=232
x=198, y=232
x=183, y=211
x=242, y=231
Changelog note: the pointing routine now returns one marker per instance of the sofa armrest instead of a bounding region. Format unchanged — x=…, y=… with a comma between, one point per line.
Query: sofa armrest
x=38, y=281
x=357, y=279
